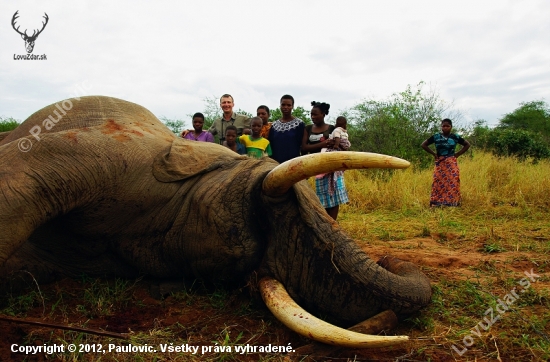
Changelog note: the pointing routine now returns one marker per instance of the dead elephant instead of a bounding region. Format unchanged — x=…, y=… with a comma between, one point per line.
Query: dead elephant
x=109, y=190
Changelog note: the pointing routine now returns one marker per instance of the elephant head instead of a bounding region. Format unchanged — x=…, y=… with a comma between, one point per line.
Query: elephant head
x=109, y=190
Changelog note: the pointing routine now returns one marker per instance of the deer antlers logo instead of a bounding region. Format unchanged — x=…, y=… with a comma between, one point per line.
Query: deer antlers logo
x=29, y=40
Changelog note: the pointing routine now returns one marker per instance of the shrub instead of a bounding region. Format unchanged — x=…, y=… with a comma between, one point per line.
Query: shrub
x=518, y=143
x=8, y=124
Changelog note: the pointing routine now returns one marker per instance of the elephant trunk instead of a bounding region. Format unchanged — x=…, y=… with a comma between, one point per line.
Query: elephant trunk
x=327, y=273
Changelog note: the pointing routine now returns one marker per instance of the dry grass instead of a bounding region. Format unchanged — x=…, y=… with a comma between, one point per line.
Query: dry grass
x=485, y=181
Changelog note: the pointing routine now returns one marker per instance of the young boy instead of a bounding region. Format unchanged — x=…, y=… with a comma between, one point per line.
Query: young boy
x=230, y=140
x=256, y=145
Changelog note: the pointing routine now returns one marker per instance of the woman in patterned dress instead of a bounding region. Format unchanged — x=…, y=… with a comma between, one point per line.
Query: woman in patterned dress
x=285, y=135
x=446, y=179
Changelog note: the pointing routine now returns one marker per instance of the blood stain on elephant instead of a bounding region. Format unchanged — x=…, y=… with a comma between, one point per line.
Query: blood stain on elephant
x=137, y=133
x=111, y=126
x=122, y=137
x=72, y=136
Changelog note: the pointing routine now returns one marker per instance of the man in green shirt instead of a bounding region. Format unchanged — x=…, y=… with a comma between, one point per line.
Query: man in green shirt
x=229, y=117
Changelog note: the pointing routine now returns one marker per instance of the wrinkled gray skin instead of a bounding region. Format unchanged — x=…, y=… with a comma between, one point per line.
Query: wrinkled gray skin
x=109, y=190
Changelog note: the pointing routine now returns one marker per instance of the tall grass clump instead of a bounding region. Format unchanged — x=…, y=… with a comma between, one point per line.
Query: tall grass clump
x=486, y=180
x=489, y=180
x=389, y=190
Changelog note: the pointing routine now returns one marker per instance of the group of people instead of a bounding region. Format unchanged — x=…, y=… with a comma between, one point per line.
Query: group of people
x=289, y=137
x=282, y=140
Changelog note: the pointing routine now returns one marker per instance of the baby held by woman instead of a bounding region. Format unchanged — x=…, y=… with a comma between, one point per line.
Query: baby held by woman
x=340, y=136
x=341, y=141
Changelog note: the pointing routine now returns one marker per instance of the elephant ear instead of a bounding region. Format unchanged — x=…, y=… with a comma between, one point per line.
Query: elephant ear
x=186, y=158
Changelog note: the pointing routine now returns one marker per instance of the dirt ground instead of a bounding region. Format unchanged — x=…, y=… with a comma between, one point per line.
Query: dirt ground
x=204, y=317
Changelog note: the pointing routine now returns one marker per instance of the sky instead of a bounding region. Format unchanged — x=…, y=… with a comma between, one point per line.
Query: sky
x=482, y=57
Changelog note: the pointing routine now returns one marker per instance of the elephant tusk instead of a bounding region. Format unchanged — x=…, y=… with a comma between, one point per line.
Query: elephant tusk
x=281, y=178
x=294, y=317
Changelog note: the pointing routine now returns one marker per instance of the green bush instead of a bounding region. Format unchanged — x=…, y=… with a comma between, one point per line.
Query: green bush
x=8, y=124
x=518, y=143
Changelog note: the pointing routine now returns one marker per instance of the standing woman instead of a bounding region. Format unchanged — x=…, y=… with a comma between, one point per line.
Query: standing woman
x=285, y=135
x=446, y=179
x=330, y=187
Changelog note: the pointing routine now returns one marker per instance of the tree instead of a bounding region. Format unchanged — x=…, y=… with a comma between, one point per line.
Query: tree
x=175, y=125
x=531, y=116
x=398, y=125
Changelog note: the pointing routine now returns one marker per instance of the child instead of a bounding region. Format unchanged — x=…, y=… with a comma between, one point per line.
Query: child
x=230, y=140
x=340, y=135
x=263, y=113
x=199, y=134
x=341, y=141
x=256, y=145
